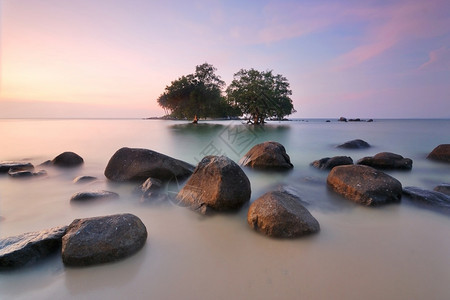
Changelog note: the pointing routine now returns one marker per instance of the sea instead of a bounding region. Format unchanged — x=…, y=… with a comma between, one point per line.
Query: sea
x=397, y=251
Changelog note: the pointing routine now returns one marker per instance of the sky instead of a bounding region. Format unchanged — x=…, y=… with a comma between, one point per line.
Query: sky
x=113, y=58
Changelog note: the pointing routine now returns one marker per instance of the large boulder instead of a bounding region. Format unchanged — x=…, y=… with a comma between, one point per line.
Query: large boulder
x=218, y=184
x=267, y=155
x=364, y=185
x=67, y=160
x=354, y=144
x=428, y=199
x=328, y=163
x=102, y=239
x=440, y=153
x=279, y=214
x=387, y=160
x=27, y=248
x=14, y=166
x=134, y=164
x=93, y=195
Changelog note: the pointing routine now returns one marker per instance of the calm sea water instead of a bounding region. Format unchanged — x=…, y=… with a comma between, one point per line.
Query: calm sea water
x=393, y=252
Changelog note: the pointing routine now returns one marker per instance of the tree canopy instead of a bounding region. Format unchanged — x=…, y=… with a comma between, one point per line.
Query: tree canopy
x=198, y=94
x=260, y=95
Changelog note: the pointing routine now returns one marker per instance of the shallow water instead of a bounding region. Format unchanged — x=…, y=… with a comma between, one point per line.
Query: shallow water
x=393, y=252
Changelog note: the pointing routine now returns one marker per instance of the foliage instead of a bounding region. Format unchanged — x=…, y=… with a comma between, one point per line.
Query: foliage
x=198, y=94
x=260, y=95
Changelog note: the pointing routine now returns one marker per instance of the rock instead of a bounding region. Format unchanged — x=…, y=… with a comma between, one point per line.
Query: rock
x=281, y=215
x=102, y=239
x=27, y=248
x=6, y=166
x=430, y=199
x=329, y=163
x=370, y=120
x=68, y=160
x=354, y=144
x=22, y=174
x=364, y=185
x=217, y=183
x=440, y=153
x=387, y=160
x=354, y=120
x=84, y=179
x=267, y=155
x=129, y=164
x=93, y=195
x=150, y=188
x=342, y=119
x=443, y=188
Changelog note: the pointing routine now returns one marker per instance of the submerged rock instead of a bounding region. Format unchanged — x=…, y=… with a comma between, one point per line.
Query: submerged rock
x=7, y=166
x=443, y=188
x=328, y=163
x=129, y=164
x=364, y=185
x=93, y=195
x=430, y=199
x=27, y=248
x=387, y=160
x=67, y=160
x=280, y=214
x=440, y=153
x=354, y=144
x=218, y=184
x=267, y=155
x=84, y=179
x=151, y=188
x=22, y=174
x=102, y=239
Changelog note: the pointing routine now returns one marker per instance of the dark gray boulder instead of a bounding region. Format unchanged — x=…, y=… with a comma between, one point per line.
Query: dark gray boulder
x=281, y=215
x=84, y=179
x=27, y=248
x=428, y=199
x=133, y=164
x=387, y=160
x=364, y=185
x=104, y=239
x=93, y=195
x=354, y=144
x=440, y=153
x=267, y=155
x=217, y=184
x=7, y=166
x=67, y=160
x=328, y=163
x=443, y=188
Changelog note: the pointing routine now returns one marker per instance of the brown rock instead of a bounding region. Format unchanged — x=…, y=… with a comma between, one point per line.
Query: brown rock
x=364, y=185
x=328, y=163
x=267, y=155
x=440, y=153
x=387, y=160
x=67, y=160
x=217, y=183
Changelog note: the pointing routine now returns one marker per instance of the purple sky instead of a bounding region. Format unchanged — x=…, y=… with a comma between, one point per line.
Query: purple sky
x=111, y=58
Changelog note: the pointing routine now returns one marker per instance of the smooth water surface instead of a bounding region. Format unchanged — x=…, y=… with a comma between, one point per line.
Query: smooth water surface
x=392, y=252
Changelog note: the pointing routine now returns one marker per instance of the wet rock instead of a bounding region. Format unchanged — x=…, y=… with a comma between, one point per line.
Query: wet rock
x=22, y=174
x=218, y=184
x=104, y=239
x=6, y=166
x=364, y=185
x=281, y=215
x=387, y=160
x=267, y=155
x=68, y=160
x=151, y=188
x=440, y=153
x=27, y=248
x=328, y=163
x=443, y=188
x=429, y=199
x=84, y=179
x=131, y=164
x=354, y=144
x=93, y=195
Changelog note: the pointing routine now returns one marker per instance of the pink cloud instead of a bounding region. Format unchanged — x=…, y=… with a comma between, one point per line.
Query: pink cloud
x=439, y=59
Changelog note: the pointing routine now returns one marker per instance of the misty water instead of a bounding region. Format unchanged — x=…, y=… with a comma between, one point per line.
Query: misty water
x=397, y=251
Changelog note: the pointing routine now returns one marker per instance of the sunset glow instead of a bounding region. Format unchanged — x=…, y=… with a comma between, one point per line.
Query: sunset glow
x=114, y=58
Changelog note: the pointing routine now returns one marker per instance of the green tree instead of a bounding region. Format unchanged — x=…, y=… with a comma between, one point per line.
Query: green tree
x=260, y=95
x=196, y=95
